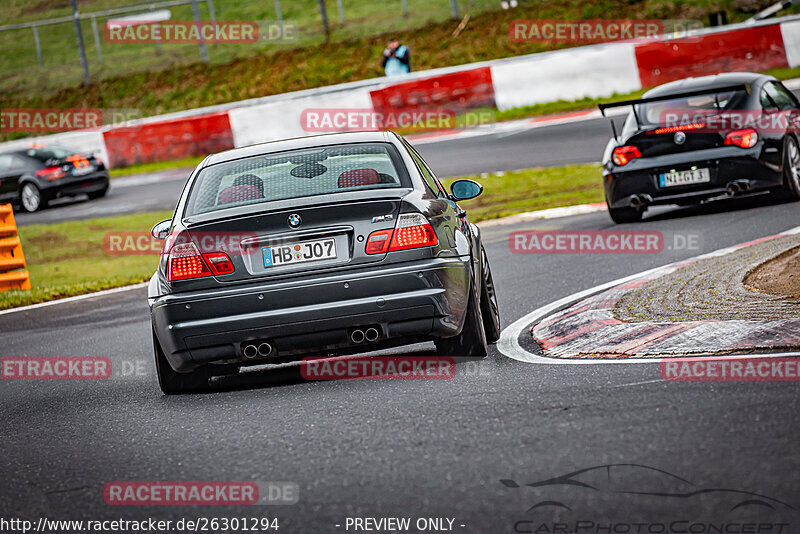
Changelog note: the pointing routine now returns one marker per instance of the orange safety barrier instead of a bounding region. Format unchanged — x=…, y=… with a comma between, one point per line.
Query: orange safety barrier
x=11, y=257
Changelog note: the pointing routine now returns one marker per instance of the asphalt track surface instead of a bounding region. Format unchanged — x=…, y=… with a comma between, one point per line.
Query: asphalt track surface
x=561, y=144
x=417, y=448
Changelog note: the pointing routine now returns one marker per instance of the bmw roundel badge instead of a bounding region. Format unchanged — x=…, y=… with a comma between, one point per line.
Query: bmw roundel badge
x=295, y=220
x=680, y=138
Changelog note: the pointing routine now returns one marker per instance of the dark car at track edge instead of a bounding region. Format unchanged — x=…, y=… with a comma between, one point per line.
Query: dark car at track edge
x=342, y=243
x=31, y=177
x=700, y=139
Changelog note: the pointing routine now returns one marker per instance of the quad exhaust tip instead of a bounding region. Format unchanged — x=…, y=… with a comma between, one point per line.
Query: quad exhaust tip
x=372, y=334
x=251, y=350
x=639, y=201
x=357, y=336
x=738, y=186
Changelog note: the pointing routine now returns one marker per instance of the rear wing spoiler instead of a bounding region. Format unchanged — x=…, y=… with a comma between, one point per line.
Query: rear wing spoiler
x=622, y=103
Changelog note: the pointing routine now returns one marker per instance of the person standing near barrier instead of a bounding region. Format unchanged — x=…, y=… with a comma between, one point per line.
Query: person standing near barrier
x=396, y=59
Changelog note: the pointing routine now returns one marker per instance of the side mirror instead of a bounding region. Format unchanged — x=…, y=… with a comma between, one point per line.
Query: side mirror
x=161, y=230
x=465, y=189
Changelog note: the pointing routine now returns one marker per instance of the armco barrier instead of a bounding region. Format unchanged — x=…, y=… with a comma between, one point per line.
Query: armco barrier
x=791, y=41
x=168, y=140
x=746, y=49
x=281, y=119
x=571, y=74
x=11, y=257
x=457, y=91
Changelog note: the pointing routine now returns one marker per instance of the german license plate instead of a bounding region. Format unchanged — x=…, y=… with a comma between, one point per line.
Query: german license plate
x=694, y=176
x=80, y=171
x=291, y=253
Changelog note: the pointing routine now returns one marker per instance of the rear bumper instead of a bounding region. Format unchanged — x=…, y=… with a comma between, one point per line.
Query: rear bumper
x=726, y=165
x=77, y=185
x=420, y=299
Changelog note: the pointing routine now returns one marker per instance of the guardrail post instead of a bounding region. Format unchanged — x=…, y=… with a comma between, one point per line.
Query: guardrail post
x=323, y=12
x=212, y=14
x=96, y=39
x=11, y=256
x=203, y=49
x=79, y=36
x=38, y=46
x=340, y=7
x=454, y=8
x=279, y=14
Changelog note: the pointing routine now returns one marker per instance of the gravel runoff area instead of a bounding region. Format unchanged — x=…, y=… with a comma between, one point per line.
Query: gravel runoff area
x=778, y=276
x=714, y=289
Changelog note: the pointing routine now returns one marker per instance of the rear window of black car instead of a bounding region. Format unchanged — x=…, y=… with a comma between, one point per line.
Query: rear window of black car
x=655, y=114
x=295, y=174
x=47, y=153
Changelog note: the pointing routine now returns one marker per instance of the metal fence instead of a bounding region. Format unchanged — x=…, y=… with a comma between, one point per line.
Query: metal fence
x=60, y=56
x=107, y=13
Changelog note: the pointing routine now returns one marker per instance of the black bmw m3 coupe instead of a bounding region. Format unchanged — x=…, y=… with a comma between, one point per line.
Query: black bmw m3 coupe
x=329, y=244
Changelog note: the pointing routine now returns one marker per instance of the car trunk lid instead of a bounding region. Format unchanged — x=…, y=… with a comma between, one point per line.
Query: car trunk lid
x=304, y=236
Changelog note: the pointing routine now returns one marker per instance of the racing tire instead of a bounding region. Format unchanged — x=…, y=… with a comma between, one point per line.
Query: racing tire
x=31, y=198
x=174, y=383
x=625, y=215
x=489, y=309
x=791, y=170
x=471, y=342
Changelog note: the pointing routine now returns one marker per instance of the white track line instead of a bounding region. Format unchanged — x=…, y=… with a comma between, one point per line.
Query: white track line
x=75, y=298
x=509, y=346
x=550, y=213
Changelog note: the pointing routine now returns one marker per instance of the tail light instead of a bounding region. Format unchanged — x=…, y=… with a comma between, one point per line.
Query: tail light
x=185, y=262
x=51, y=173
x=412, y=231
x=219, y=262
x=742, y=138
x=623, y=154
x=378, y=242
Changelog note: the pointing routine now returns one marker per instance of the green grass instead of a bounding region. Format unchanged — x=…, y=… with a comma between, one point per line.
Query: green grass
x=511, y=192
x=142, y=168
x=785, y=74
x=66, y=259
